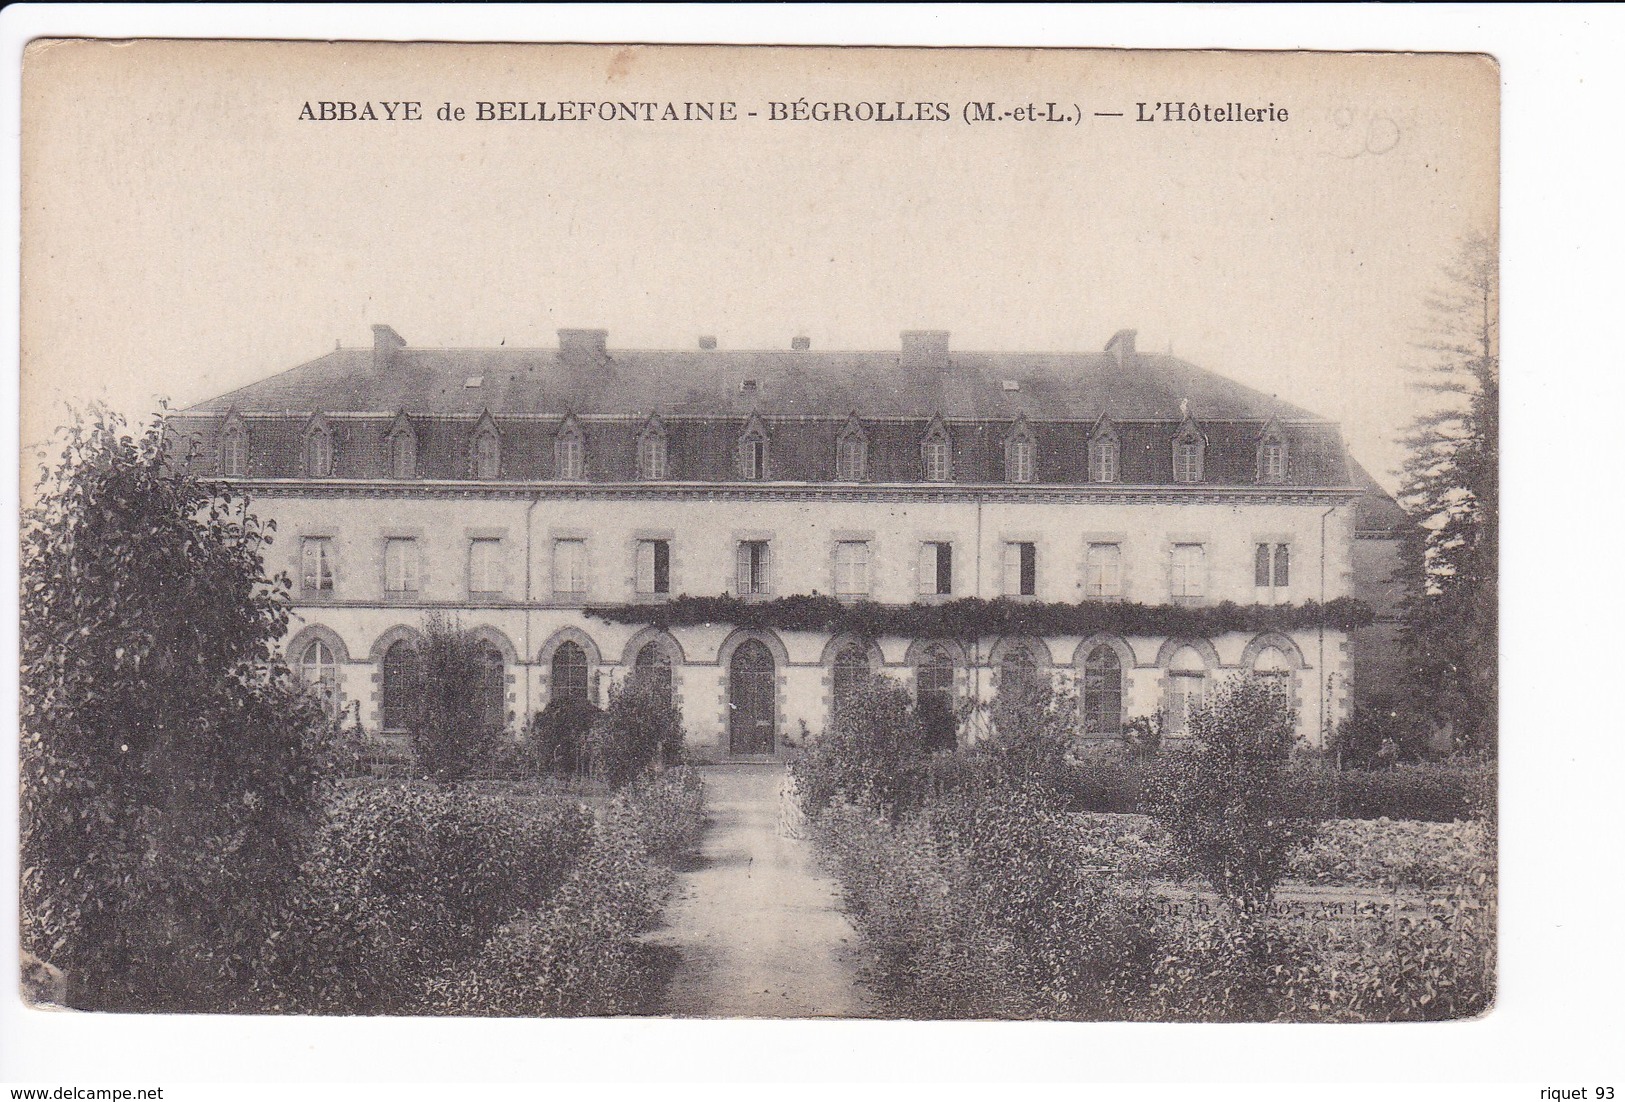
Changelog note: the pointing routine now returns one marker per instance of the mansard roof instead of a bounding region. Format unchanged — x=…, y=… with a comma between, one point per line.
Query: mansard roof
x=959, y=385
x=804, y=399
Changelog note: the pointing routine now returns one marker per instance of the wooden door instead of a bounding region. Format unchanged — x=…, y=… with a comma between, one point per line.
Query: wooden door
x=752, y=700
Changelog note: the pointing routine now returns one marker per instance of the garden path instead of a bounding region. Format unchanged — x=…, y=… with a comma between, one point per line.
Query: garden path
x=757, y=929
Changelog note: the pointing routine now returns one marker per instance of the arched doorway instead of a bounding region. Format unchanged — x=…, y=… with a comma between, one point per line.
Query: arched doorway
x=752, y=700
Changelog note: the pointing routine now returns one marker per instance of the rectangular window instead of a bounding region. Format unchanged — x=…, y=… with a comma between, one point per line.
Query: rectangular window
x=754, y=568
x=401, y=566
x=654, y=566
x=936, y=568
x=852, y=568
x=938, y=465
x=1020, y=569
x=1189, y=571
x=755, y=459
x=1272, y=570
x=316, y=564
x=1103, y=576
x=485, y=573
x=570, y=567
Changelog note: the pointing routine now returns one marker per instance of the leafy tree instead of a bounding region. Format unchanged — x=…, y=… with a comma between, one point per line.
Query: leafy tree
x=1452, y=487
x=452, y=735
x=1233, y=808
x=641, y=727
x=170, y=760
x=874, y=754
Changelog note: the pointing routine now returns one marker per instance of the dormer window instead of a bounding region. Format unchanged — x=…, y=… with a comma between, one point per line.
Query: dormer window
x=1104, y=454
x=1189, y=451
x=487, y=452
x=936, y=453
x=1019, y=453
x=318, y=450
x=747, y=386
x=753, y=450
x=570, y=451
x=652, y=451
x=234, y=449
x=1272, y=455
x=852, y=452
x=403, y=456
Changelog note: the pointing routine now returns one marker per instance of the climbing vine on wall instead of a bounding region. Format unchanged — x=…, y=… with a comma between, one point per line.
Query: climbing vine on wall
x=968, y=617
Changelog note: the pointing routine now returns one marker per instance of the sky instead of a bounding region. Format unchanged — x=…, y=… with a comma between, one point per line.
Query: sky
x=186, y=233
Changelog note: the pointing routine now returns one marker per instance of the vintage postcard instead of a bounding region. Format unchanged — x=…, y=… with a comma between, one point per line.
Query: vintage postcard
x=759, y=532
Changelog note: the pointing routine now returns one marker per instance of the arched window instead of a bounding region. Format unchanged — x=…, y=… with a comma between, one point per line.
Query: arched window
x=652, y=667
x=1102, y=693
x=487, y=455
x=234, y=452
x=850, y=673
x=570, y=673
x=493, y=689
x=851, y=455
x=399, y=689
x=1188, y=452
x=1187, y=687
x=1019, y=452
x=403, y=455
x=1103, y=458
x=1271, y=665
x=753, y=453
x=318, y=670
x=319, y=454
x=936, y=454
x=570, y=452
x=1018, y=672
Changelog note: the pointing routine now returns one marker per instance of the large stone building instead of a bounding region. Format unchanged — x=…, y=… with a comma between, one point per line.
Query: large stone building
x=519, y=489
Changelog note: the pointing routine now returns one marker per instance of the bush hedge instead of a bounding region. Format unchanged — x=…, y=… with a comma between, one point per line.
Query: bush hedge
x=1433, y=792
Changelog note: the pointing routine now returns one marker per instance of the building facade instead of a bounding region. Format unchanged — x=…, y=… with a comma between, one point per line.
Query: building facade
x=520, y=490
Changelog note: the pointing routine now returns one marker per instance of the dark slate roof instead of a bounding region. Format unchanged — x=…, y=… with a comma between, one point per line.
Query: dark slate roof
x=1377, y=511
x=804, y=398
x=1053, y=386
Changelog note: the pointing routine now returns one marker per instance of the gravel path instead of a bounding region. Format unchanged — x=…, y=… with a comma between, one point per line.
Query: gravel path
x=757, y=930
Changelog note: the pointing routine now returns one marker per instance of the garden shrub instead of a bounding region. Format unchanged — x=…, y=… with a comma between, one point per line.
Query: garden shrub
x=1233, y=809
x=172, y=767
x=1427, y=791
x=578, y=953
x=1110, y=779
x=559, y=738
x=406, y=880
x=665, y=811
x=640, y=728
x=1034, y=728
x=450, y=733
x=1381, y=853
x=1379, y=732
x=873, y=754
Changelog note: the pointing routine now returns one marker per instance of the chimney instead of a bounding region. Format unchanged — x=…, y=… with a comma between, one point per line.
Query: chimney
x=1122, y=343
x=583, y=344
x=385, y=341
x=923, y=348
x=800, y=344
x=708, y=343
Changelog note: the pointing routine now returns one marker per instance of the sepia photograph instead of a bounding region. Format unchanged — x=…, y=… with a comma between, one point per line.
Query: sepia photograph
x=723, y=532
x=883, y=544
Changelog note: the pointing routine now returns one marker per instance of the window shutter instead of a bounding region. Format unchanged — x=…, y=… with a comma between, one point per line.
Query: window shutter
x=1261, y=565
x=1029, y=569
x=1282, y=564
